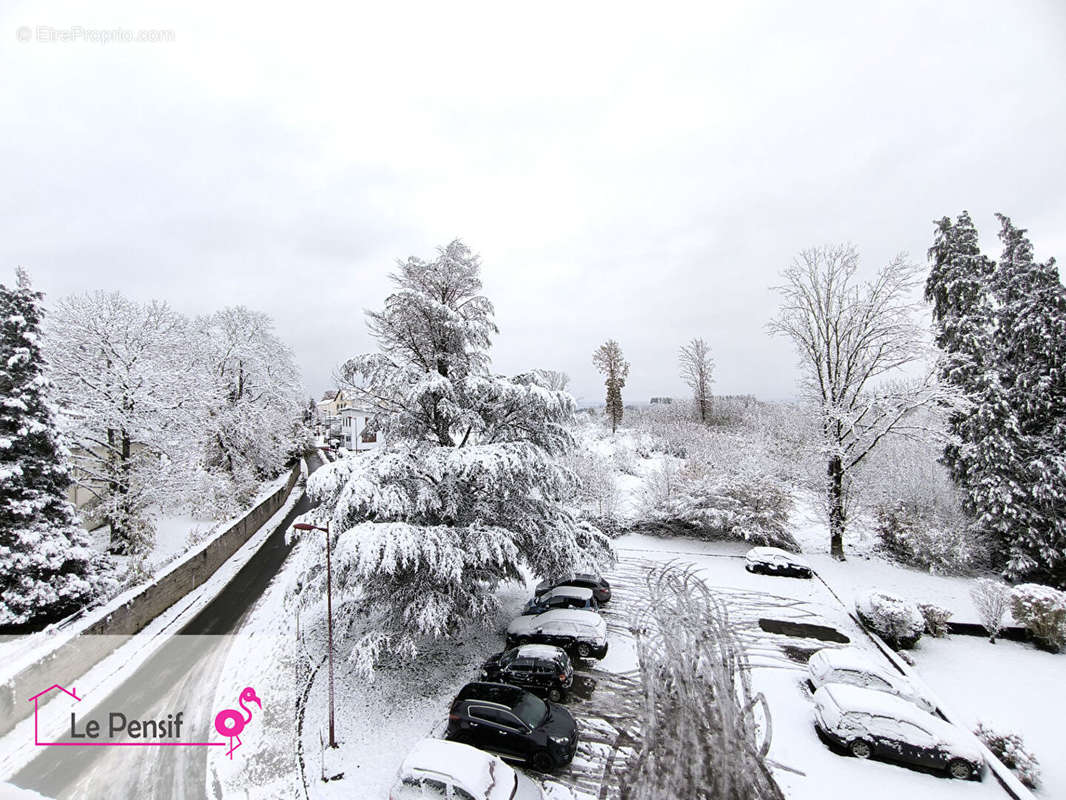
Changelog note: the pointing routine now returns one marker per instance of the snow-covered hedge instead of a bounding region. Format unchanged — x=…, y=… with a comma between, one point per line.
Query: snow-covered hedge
x=899, y=622
x=920, y=539
x=1042, y=610
x=1010, y=749
x=749, y=507
x=936, y=619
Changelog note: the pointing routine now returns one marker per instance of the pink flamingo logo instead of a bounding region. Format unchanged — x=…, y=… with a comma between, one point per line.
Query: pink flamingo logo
x=230, y=723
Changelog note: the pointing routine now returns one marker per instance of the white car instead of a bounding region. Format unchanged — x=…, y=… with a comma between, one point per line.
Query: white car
x=579, y=632
x=775, y=561
x=852, y=666
x=867, y=723
x=440, y=770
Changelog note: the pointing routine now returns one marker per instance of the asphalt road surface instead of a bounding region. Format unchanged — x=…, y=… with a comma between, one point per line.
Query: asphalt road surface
x=182, y=675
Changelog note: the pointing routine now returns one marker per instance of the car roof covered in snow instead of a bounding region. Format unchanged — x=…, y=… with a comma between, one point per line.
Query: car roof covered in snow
x=575, y=616
x=481, y=774
x=763, y=553
x=547, y=651
x=848, y=658
x=576, y=592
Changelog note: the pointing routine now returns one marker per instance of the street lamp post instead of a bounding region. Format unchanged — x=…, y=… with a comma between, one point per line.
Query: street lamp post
x=303, y=526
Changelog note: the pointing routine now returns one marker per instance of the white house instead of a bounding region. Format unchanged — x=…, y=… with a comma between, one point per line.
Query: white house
x=353, y=430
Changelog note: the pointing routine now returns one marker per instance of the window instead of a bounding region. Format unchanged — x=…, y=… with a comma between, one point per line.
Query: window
x=367, y=437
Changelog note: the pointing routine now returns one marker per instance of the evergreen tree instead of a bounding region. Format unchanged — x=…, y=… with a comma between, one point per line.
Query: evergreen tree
x=1002, y=332
x=980, y=452
x=47, y=569
x=609, y=360
x=469, y=490
x=1031, y=346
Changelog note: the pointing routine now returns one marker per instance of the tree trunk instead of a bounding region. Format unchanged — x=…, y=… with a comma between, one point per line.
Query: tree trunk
x=836, y=507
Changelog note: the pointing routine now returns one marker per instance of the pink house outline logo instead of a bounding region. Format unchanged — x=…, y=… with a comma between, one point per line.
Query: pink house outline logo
x=36, y=700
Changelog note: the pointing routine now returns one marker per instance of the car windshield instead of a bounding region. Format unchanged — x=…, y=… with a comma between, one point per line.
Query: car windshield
x=508, y=657
x=531, y=710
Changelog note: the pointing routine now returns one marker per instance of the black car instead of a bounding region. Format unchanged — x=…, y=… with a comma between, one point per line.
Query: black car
x=539, y=668
x=562, y=597
x=775, y=561
x=513, y=724
x=601, y=589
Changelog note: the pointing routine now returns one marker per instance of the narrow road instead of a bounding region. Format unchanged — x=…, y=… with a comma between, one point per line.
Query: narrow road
x=181, y=676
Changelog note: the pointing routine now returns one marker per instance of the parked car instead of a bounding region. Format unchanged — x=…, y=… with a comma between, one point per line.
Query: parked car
x=562, y=597
x=775, y=561
x=513, y=724
x=581, y=633
x=867, y=723
x=539, y=668
x=601, y=589
x=852, y=666
x=440, y=770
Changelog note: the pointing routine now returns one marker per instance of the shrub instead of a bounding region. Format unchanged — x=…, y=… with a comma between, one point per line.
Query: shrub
x=749, y=507
x=921, y=539
x=897, y=621
x=991, y=599
x=936, y=619
x=1042, y=610
x=1010, y=749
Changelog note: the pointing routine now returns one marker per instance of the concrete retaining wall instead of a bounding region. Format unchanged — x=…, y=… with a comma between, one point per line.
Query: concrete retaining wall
x=114, y=625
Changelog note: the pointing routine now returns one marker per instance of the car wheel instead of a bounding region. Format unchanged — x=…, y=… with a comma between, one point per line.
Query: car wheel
x=542, y=762
x=555, y=694
x=960, y=769
x=522, y=640
x=584, y=650
x=860, y=749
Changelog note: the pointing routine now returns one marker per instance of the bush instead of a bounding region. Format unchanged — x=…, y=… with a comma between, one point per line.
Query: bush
x=897, y=621
x=920, y=539
x=991, y=599
x=1010, y=749
x=748, y=507
x=936, y=619
x=1042, y=610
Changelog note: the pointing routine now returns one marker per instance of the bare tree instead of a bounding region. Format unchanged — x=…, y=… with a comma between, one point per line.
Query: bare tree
x=851, y=336
x=609, y=360
x=696, y=368
x=991, y=598
x=554, y=379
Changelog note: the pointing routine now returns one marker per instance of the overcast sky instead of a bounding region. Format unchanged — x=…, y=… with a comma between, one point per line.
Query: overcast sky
x=637, y=172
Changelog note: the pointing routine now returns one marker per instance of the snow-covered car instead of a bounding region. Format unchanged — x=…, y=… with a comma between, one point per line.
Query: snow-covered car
x=578, y=632
x=852, y=666
x=539, y=668
x=440, y=770
x=868, y=723
x=601, y=589
x=775, y=561
x=562, y=597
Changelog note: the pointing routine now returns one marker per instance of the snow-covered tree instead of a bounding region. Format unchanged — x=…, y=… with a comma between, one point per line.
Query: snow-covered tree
x=47, y=569
x=696, y=368
x=254, y=417
x=131, y=393
x=609, y=360
x=1001, y=328
x=554, y=379
x=1031, y=348
x=469, y=488
x=851, y=339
